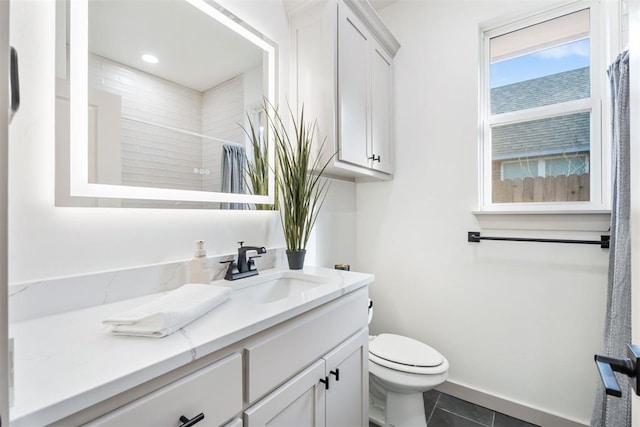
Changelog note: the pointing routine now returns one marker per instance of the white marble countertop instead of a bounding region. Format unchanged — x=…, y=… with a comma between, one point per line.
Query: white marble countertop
x=67, y=362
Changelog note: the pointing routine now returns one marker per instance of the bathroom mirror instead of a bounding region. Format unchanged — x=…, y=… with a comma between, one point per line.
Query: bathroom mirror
x=152, y=99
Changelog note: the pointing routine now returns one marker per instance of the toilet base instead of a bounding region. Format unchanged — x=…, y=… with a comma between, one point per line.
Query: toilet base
x=388, y=408
x=405, y=410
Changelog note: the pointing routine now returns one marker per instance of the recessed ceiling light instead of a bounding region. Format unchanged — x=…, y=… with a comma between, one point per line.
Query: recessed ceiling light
x=149, y=58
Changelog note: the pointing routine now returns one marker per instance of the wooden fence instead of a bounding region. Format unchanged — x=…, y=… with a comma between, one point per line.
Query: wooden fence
x=572, y=188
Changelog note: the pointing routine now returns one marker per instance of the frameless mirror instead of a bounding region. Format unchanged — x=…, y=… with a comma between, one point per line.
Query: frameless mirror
x=152, y=102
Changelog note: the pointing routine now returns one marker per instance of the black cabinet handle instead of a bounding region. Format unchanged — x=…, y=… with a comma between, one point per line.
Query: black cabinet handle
x=627, y=365
x=325, y=381
x=374, y=158
x=186, y=422
x=15, y=81
x=336, y=373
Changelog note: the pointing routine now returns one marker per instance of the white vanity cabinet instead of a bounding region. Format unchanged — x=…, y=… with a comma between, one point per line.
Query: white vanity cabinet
x=342, y=55
x=212, y=395
x=333, y=391
x=326, y=356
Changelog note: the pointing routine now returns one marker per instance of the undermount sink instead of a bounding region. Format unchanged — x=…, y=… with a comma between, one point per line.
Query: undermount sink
x=286, y=284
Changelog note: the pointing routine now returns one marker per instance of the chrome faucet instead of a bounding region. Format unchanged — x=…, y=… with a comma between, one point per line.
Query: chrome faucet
x=243, y=267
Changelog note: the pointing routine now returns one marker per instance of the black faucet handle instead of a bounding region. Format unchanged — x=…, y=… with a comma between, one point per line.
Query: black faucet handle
x=251, y=263
x=231, y=270
x=233, y=265
x=241, y=243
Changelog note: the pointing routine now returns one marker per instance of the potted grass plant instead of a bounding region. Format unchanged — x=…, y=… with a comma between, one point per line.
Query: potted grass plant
x=257, y=168
x=301, y=187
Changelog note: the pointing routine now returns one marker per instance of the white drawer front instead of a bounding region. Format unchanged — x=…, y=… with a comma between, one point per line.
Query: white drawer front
x=272, y=361
x=215, y=391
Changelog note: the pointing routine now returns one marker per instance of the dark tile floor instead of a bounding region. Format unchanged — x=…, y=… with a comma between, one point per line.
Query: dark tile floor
x=443, y=410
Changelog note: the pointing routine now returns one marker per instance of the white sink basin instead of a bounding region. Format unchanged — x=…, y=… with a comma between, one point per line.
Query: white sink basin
x=275, y=287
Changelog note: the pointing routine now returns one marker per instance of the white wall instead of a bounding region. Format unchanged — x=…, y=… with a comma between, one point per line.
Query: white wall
x=333, y=240
x=45, y=241
x=520, y=321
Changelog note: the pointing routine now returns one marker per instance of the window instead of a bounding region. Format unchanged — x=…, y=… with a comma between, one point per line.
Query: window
x=541, y=115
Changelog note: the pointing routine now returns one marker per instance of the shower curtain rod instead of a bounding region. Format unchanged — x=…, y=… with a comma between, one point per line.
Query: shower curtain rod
x=474, y=237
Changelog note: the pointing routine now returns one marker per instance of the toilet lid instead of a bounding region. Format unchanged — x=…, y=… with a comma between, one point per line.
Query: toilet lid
x=404, y=351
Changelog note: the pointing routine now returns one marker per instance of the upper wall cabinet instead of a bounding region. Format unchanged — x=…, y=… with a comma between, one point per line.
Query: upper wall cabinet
x=343, y=76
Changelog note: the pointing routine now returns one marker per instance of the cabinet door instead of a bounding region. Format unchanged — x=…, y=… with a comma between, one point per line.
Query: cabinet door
x=214, y=391
x=381, y=111
x=347, y=398
x=353, y=88
x=298, y=403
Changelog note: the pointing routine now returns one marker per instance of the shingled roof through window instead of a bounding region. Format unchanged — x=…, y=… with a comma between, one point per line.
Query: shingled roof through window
x=555, y=135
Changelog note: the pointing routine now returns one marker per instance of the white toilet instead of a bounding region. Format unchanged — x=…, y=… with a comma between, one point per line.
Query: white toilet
x=400, y=370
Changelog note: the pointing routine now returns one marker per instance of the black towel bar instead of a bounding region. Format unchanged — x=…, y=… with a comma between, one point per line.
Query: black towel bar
x=475, y=237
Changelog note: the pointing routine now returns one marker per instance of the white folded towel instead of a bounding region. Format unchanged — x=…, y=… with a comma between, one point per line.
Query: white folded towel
x=169, y=312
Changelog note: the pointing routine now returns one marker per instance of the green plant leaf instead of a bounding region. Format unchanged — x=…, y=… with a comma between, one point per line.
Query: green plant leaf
x=301, y=188
x=257, y=168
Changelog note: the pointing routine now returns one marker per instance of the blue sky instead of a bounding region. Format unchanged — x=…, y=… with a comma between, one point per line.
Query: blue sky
x=569, y=56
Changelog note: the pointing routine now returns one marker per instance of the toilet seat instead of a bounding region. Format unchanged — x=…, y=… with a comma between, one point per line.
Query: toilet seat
x=406, y=355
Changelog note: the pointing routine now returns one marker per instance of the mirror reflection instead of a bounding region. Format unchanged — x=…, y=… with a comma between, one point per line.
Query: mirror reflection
x=173, y=94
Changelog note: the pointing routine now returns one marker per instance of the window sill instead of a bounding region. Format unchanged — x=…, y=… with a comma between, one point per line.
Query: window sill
x=569, y=220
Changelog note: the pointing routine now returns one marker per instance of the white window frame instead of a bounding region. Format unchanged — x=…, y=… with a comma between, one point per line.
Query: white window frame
x=601, y=50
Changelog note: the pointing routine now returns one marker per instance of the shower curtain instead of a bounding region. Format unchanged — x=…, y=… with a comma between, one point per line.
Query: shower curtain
x=234, y=159
x=612, y=411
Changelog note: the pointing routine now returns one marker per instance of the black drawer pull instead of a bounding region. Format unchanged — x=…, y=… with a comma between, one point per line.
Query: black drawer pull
x=325, y=381
x=186, y=422
x=336, y=373
x=14, y=81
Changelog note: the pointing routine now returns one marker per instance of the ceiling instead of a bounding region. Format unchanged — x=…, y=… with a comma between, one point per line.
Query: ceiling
x=194, y=50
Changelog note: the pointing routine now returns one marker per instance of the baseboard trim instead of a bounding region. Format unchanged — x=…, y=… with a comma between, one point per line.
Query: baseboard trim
x=507, y=407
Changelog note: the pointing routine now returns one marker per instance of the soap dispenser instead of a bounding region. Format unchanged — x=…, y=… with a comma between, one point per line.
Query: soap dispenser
x=199, y=271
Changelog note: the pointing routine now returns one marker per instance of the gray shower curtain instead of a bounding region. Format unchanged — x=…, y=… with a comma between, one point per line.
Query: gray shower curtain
x=612, y=411
x=234, y=159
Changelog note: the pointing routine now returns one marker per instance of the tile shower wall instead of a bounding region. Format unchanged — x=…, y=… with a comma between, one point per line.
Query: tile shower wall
x=154, y=156
x=222, y=111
